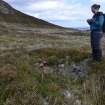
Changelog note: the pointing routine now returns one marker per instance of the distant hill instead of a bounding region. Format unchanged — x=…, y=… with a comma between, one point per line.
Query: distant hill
x=83, y=28
x=10, y=15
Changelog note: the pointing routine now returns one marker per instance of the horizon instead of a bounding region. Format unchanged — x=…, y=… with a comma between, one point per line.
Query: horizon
x=70, y=14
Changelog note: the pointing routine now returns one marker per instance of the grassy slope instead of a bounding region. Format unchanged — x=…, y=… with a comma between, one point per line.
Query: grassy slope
x=23, y=82
x=66, y=40
x=26, y=20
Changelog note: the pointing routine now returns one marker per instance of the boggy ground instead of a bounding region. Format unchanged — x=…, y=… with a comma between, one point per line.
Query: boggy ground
x=50, y=70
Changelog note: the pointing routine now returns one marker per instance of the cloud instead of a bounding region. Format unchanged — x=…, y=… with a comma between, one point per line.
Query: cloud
x=53, y=10
x=98, y=1
x=44, y=5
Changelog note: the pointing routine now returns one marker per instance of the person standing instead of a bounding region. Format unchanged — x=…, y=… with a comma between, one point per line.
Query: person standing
x=96, y=27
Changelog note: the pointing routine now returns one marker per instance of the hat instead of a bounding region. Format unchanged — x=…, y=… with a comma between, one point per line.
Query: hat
x=96, y=6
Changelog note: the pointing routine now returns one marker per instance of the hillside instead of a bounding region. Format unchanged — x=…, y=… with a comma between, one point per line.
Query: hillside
x=41, y=65
x=11, y=15
x=14, y=21
x=50, y=70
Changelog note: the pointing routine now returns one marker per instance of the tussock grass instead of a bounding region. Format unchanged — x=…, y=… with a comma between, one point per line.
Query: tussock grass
x=22, y=83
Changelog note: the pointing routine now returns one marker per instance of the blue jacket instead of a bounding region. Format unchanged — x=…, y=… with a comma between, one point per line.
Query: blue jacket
x=97, y=24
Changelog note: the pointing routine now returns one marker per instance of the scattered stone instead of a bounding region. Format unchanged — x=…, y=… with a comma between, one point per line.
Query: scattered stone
x=78, y=102
x=47, y=70
x=41, y=65
x=46, y=101
x=61, y=67
x=67, y=94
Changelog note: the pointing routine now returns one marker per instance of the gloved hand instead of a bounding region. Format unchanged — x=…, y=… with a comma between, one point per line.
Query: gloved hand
x=90, y=21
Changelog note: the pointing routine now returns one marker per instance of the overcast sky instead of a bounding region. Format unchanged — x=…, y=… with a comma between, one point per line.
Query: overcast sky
x=68, y=13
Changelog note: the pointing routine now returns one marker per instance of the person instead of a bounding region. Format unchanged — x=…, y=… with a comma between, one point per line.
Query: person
x=96, y=27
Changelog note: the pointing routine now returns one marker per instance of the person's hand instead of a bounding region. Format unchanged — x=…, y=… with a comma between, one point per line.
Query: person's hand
x=89, y=20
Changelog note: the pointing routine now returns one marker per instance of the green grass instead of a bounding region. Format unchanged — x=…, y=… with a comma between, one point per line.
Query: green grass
x=32, y=42
x=23, y=82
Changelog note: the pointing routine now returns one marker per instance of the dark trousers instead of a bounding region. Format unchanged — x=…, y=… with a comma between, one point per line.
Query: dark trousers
x=96, y=37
